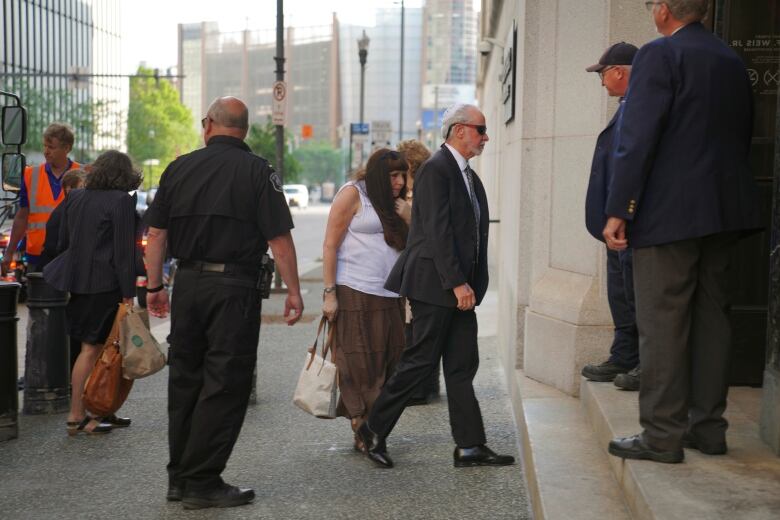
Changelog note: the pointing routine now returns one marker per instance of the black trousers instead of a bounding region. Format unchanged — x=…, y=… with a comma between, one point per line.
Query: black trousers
x=682, y=300
x=439, y=333
x=215, y=328
x=620, y=294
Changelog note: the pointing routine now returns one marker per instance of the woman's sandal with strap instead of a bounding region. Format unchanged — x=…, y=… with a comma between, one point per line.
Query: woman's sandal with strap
x=76, y=427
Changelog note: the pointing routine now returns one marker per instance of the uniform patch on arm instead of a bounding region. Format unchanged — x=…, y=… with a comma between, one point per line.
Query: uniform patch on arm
x=276, y=182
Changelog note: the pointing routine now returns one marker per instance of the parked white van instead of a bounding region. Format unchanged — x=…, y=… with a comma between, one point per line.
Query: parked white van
x=297, y=195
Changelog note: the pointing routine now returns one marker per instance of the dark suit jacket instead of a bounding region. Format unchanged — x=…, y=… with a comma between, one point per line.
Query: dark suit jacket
x=600, y=176
x=97, y=237
x=681, y=156
x=440, y=249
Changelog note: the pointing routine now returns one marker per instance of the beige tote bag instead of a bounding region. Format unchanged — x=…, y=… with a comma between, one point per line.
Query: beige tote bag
x=141, y=354
x=317, y=391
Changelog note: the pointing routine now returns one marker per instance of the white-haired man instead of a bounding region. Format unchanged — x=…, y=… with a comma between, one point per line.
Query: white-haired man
x=444, y=273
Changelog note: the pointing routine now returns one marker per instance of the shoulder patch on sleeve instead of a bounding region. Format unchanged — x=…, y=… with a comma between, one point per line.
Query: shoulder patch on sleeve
x=276, y=181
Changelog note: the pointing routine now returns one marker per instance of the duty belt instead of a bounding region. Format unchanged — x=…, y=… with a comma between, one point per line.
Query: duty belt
x=209, y=267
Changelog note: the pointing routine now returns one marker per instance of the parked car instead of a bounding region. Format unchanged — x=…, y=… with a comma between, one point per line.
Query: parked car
x=141, y=202
x=297, y=195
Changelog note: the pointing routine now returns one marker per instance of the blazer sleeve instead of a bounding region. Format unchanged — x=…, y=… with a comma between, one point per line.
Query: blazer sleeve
x=431, y=196
x=63, y=238
x=123, y=222
x=640, y=125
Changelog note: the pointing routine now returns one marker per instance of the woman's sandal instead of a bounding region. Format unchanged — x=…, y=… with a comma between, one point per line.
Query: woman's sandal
x=76, y=427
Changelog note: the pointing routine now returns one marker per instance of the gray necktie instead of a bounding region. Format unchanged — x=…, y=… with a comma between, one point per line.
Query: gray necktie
x=473, y=195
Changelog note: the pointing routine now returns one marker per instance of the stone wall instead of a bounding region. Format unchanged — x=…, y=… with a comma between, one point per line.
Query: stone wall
x=553, y=315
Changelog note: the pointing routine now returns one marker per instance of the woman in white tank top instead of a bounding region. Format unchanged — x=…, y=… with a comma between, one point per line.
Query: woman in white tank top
x=366, y=232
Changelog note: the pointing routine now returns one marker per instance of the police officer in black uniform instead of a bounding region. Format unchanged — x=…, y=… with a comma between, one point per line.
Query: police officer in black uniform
x=217, y=209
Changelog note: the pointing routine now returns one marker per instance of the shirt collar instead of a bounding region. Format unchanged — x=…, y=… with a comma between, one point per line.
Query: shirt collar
x=229, y=139
x=462, y=162
x=47, y=166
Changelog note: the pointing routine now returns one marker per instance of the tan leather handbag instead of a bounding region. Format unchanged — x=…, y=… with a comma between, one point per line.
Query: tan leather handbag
x=106, y=390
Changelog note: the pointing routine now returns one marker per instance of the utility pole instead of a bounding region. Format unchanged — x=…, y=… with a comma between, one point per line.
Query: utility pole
x=401, y=99
x=279, y=58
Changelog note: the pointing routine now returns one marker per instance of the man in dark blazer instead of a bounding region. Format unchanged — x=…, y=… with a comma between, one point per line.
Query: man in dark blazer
x=622, y=367
x=681, y=195
x=444, y=273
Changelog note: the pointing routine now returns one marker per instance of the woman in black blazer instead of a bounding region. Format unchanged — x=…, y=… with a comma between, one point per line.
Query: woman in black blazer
x=97, y=267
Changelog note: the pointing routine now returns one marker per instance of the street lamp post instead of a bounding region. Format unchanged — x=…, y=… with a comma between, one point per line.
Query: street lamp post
x=151, y=163
x=363, y=55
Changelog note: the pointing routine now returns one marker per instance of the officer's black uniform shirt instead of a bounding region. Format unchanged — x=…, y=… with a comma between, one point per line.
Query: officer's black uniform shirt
x=220, y=204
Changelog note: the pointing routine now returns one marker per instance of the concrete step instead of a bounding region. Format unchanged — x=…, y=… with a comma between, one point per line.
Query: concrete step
x=743, y=484
x=568, y=475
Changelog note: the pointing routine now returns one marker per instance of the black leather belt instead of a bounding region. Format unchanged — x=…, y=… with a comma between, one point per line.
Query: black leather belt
x=209, y=267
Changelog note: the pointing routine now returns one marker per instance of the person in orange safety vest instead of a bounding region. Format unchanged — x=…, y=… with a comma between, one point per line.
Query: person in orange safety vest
x=40, y=193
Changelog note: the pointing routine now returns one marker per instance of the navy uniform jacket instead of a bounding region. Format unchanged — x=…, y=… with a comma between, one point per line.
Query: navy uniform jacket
x=600, y=177
x=441, y=246
x=680, y=160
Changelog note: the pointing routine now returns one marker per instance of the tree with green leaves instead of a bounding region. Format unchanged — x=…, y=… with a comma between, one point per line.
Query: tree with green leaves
x=47, y=105
x=262, y=140
x=320, y=162
x=158, y=125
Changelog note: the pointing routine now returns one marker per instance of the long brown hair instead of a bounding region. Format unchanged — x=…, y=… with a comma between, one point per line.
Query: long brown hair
x=380, y=193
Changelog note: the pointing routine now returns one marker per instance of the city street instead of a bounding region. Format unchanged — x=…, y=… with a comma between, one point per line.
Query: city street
x=300, y=467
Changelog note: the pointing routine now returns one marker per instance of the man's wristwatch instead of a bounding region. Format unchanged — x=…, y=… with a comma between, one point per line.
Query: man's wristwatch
x=330, y=289
x=155, y=289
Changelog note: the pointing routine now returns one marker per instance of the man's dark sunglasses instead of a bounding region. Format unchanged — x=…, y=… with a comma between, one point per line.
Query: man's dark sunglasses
x=203, y=122
x=481, y=129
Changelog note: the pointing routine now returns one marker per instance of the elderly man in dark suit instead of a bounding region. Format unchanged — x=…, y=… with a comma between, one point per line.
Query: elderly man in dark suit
x=681, y=195
x=622, y=367
x=444, y=273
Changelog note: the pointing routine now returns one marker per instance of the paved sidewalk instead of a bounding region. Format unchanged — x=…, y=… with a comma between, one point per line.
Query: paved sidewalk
x=300, y=467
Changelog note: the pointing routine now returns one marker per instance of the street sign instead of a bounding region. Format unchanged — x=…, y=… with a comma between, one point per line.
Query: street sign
x=381, y=134
x=279, y=105
x=358, y=128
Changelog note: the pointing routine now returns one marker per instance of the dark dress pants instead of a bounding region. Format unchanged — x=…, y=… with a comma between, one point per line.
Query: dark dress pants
x=684, y=339
x=439, y=333
x=430, y=386
x=620, y=294
x=215, y=328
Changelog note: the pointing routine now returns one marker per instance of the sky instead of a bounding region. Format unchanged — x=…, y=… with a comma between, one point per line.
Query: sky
x=149, y=27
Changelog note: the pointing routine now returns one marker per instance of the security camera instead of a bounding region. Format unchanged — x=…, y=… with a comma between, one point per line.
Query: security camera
x=485, y=46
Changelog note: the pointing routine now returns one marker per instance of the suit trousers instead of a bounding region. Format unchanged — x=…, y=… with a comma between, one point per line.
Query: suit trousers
x=215, y=328
x=682, y=305
x=620, y=294
x=439, y=333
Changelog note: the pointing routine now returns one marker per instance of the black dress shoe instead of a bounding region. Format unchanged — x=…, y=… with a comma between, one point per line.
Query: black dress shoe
x=174, y=493
x=117, y=422
x=374, y=446
x=603, y=373
x=480, y=455
x=224, y=496
x=635, y=448
x=630, y=380
x=689, y=441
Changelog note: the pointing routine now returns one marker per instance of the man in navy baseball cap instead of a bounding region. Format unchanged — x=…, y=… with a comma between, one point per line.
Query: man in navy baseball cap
x=621, y=53
x=622, y=366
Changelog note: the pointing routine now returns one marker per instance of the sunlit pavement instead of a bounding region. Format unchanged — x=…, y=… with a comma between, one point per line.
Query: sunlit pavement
x=300, y=467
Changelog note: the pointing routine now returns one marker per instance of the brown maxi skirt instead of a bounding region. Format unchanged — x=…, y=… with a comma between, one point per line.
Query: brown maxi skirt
x=369, y=340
